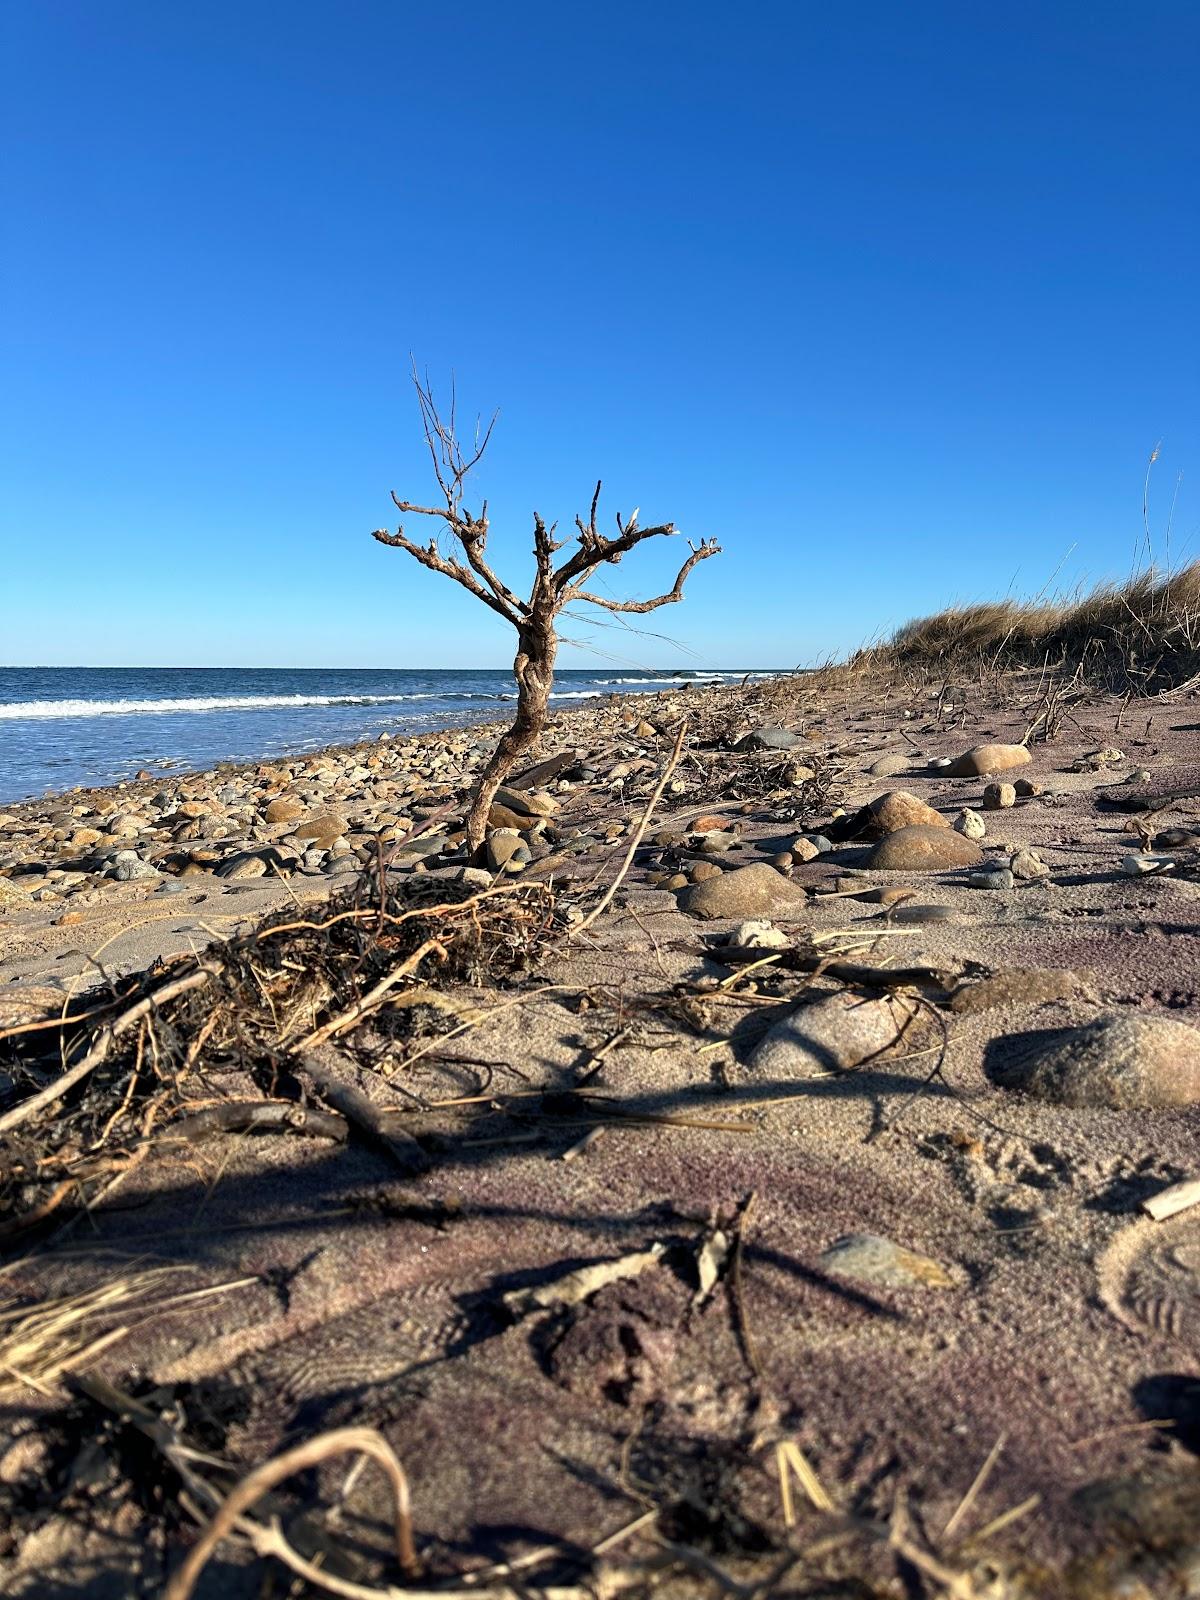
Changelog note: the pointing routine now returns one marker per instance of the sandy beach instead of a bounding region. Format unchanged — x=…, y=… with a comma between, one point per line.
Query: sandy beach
x=600, y=804
x=850, y=1204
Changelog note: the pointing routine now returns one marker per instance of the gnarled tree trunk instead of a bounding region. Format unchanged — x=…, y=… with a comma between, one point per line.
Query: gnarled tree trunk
x=533, y=669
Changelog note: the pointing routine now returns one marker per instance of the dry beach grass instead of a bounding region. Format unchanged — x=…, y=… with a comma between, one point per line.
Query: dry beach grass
x=1142, y=634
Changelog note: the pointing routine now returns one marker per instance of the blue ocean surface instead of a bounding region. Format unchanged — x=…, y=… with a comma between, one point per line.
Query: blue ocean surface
x=63, y=726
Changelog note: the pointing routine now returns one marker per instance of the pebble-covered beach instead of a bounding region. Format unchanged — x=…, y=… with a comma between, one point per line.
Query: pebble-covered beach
x=860, y=1097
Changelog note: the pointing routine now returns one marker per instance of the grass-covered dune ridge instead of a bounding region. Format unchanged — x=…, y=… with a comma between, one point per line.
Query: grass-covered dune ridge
x=1142, y=634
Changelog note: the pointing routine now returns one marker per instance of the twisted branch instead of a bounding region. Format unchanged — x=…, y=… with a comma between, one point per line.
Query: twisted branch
x=700, y=552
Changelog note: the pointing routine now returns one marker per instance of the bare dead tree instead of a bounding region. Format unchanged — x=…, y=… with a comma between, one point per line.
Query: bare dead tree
x=553, y=589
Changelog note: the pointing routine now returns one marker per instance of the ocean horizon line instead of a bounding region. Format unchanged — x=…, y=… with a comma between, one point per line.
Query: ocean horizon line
x=152, y=666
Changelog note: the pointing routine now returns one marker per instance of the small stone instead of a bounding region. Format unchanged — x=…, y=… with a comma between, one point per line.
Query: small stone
x=30, y=1003
x=1135, y=866
x=994, y=878
x=999, y=796
x=325, y=829
x=132, y=871
x=970, y=824
x=1021, y=986
x=125, y=827
x=243, y=865
x=1027, y=788
x=758, y=934
x=709, y=823
x=890, y=765
x=703, y=870
x=804, y=850
x=475, y=878
x=502, y=845
x=502, y=817
x=768, y=737
x=869, y=1258
x=527, y=804
x=919, y=915
x=1117, y=1062
x=13, y=894
x=886, y=897
x=716, y=844
x=678, y=881
x=988, y=758
x=284, y=810
x=214, y=827
x=899, y=809
x=924, y=849
x=753, y=891
x=835, y=1034
x=1028, y=865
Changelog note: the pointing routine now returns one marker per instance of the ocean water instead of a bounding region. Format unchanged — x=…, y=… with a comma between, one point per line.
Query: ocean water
x=62, y=726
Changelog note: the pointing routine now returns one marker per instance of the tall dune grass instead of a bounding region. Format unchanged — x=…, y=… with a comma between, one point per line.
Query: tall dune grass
x=1143, y=634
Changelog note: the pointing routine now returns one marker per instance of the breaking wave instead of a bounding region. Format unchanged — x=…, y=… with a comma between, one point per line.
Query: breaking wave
x=196, y=703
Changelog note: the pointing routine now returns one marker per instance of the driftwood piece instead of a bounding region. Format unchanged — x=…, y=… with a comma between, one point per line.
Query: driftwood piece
x=377, y=1126
x=259, y=1116
x=883, y=977
x=575, y=1286
x=1168, y=1202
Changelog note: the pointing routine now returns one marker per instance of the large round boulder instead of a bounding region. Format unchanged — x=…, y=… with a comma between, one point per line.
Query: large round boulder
x=988, y=758
x=834, y=1035
x=1117, y=1062
x=923, y=848
x=754, y=891
x=900, y=809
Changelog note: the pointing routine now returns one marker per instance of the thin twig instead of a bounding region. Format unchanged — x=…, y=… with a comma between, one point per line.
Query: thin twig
x=365, y=1441
x=638, y=834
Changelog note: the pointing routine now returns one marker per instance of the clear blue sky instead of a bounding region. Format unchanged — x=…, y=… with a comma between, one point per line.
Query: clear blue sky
x=893, y=299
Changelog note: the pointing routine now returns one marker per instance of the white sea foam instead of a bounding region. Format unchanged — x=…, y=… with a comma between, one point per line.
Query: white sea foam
x=251, y=702
x=43, y=710
x=691, y=677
